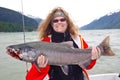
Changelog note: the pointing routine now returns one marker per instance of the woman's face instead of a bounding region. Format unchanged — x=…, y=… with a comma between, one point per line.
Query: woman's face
x=59, y=24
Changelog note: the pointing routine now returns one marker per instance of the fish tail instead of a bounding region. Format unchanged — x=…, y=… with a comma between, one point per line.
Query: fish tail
x=105, y=47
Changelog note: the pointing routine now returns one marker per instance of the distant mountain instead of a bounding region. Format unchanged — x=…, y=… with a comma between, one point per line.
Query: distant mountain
x=36, y=18
x=11, y=21
x=109, y=21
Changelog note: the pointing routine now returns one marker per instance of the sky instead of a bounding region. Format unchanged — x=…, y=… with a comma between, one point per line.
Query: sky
x=81, y=11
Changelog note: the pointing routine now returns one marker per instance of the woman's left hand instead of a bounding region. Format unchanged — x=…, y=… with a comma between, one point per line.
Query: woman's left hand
x=95, y=53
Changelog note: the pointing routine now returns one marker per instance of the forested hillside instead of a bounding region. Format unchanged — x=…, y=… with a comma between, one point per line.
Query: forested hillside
x=111, y=21
x=11, y=21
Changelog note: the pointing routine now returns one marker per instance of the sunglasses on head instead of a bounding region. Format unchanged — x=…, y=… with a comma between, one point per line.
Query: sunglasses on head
x=57, y=20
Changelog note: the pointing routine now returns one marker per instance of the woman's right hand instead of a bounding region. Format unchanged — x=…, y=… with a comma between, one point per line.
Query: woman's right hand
x=42, y=61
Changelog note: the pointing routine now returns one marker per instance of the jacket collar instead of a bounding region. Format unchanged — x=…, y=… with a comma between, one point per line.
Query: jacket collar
x=77, y=40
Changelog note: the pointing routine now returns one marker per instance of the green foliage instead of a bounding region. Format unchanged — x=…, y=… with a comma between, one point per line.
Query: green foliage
x=12, y=27
x=11, y=21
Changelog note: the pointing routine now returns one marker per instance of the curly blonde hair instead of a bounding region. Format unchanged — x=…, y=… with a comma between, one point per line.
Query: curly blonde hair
x=44, y=27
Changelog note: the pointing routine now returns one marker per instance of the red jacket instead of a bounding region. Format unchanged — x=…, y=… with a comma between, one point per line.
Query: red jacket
x=34, y=74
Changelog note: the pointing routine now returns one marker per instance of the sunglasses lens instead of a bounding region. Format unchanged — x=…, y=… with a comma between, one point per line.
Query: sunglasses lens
x=57, y=20
x=62, y=20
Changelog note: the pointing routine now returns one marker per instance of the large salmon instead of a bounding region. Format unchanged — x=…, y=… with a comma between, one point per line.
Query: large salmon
x=57, y=53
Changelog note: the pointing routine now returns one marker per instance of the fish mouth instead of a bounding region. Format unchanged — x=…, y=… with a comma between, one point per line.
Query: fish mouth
x=14, y=53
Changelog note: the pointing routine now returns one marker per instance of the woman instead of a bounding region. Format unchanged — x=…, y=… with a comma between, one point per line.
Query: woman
x=58, y=27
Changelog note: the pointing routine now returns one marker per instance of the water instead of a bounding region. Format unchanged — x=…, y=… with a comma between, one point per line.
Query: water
x=12, y=69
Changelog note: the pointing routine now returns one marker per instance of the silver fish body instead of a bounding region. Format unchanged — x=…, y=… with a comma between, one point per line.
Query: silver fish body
x=57, y=53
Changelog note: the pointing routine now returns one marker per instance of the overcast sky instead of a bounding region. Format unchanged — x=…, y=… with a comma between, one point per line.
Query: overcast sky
x=81, y=11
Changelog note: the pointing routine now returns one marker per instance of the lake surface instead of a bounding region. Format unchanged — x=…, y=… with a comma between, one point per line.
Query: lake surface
x=12, y=69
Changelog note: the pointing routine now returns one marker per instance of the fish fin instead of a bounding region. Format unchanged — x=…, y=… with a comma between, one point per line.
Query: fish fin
x=68, y=43
x=106, y=49
x=85, y=64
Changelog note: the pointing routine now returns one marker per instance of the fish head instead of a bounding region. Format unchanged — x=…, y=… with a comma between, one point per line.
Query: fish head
x=21, y=52
x=13, y=52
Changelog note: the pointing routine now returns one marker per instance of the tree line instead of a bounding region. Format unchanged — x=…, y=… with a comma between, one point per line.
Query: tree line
x=11, y=21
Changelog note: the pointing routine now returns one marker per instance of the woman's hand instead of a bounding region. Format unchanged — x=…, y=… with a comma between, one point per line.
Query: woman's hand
x=42, y=61
x=95, y=53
